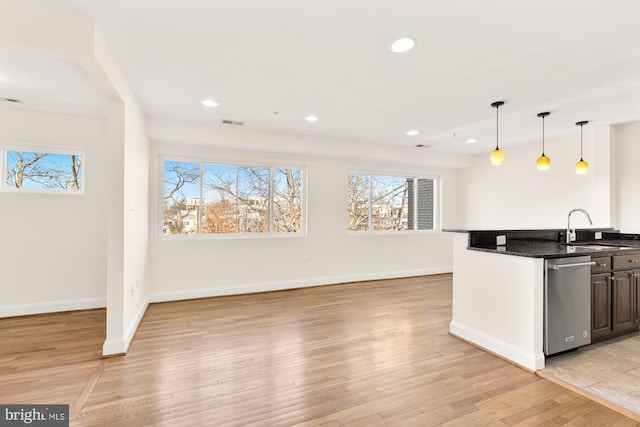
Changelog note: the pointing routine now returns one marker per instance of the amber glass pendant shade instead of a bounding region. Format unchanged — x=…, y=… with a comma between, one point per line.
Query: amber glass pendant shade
x=544, y=163
x=497, y=155
x=582, y=167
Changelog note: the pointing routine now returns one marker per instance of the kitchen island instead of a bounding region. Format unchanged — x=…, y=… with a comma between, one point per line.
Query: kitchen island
x=498, y=285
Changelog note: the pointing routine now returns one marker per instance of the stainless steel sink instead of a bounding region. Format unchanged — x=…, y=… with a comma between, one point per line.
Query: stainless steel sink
x=596, y=247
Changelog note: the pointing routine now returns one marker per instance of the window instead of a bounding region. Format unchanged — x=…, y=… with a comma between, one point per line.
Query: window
x=391, y=203
x=26, y=170
x=215, y=199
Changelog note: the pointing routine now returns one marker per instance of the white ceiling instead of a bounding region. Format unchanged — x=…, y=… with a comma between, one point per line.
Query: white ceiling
x=578, y=59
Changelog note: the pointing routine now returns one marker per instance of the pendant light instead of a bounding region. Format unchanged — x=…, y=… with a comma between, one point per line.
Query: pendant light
x=543, y=161
x=497, y=155
x=581, y=166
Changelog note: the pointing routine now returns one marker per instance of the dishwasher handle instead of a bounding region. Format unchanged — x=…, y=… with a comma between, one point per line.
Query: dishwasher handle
x=577, y=264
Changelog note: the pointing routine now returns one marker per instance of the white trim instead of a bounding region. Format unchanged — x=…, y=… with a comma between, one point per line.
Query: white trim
x=121, y=345
x=514, y=354
x=292, y=284
x=43, y=149
x=114, y=347
x=52, y=307
x=135, y=323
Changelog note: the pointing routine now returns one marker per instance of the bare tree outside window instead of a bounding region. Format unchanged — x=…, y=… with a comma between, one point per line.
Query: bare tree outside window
x=390, y=203
x=253, y=200
x=287, y=200
x=244, y=199
x=39, y=170
x=181, y=211
x=220, y=190
x=358, y=202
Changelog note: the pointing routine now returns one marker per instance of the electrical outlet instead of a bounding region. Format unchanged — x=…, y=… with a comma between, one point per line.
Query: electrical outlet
x=501, y=240
x=598, y=235
x=132, y=291
x=306, y=259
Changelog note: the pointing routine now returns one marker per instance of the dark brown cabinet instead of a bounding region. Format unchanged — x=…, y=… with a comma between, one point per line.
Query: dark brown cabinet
x=600, y=306
x=615, y=295
x=622, y=302
x=636, y=290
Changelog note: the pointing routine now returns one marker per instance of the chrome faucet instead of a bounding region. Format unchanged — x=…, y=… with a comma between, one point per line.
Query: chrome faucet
x=571, y=232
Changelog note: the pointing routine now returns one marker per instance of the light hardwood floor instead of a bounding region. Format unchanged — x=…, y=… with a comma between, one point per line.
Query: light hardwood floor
x=362, y=354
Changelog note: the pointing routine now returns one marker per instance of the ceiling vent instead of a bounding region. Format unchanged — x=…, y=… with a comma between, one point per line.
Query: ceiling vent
x=11, y=100
x=233, y=122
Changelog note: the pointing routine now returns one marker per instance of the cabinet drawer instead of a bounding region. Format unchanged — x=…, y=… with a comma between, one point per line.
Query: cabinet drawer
x=602, y=264
x=621, y=262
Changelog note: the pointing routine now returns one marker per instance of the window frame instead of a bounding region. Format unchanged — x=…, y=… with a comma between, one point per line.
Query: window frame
x=4, y=157
x=238, y=164
x=416, y=177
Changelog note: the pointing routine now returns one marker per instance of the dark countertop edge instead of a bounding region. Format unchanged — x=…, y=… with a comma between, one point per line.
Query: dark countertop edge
x=524, y=230
x=499, y=250
x=548, y=243
x=559, y=253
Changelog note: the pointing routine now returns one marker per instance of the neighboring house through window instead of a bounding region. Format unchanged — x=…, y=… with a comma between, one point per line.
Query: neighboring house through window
x=391, y=203
x=201, y=198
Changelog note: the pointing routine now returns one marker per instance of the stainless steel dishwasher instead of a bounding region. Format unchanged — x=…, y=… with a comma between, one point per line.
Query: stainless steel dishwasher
x=567, y=303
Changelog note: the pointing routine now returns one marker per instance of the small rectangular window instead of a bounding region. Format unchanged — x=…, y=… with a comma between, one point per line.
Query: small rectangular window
x=390, y=203
x=42, y=171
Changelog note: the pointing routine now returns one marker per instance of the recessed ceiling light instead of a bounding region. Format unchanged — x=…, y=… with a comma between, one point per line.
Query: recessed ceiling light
x=403, y=44
x=471, y=141
x=209, y=103
x=412, y=132
x=311, y=118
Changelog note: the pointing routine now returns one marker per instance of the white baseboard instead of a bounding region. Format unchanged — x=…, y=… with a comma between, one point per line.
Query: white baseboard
x=114, y=347
x=530, y=361
x=135, y=323
x=121, y=345
x=52, y=307
x=292, y=284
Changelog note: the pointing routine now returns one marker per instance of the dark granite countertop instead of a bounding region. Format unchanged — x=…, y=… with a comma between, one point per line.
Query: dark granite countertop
x=549, y=243
x=546, y=249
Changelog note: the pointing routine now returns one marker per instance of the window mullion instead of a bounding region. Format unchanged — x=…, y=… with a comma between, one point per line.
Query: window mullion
x=270, y=219
x=200, y=201
x=416, y=208
x=237, y=201
x=370, y=185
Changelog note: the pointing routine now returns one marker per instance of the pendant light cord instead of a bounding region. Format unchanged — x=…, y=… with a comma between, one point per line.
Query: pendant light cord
x=581, y=142
x=497, y=108
x=543, y=135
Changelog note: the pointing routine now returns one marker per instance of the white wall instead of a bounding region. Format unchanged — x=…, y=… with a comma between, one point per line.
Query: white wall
x=191, y=268
x=517, y=195
x=498, y=303
x=627, y=175
x=53, y=246
x=128, y=218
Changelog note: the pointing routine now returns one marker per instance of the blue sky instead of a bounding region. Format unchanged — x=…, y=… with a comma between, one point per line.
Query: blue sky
x=52, y=162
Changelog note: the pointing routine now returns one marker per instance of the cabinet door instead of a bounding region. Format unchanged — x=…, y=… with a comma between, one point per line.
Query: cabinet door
x=636, y=290
x=623, y=300
x=600, y=306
